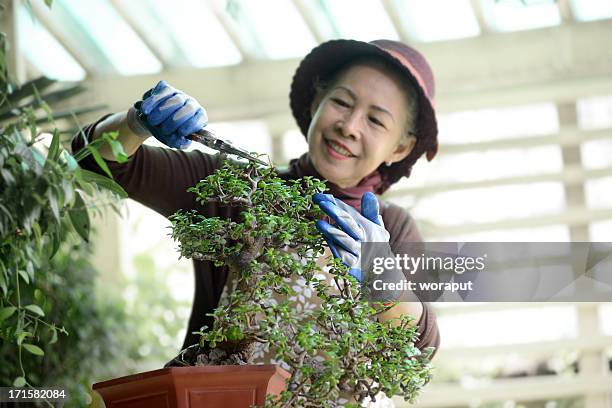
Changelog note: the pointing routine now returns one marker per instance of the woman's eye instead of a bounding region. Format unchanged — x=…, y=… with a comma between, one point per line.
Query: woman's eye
x=376, y=121
x=340, y=102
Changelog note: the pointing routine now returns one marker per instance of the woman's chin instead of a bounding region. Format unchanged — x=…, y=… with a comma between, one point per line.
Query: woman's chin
x=334, y=171
x=332, y=175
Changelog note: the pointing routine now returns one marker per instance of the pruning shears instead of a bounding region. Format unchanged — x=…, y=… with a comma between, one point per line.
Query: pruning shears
x=208, y=139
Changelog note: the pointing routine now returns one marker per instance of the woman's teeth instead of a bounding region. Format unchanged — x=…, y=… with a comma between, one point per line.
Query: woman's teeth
x=339, y=149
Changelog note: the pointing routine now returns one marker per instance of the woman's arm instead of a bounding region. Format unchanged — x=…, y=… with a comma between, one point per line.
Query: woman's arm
x=130, y=139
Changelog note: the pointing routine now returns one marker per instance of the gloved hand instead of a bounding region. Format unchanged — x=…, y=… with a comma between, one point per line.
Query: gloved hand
x=171, y=115
x=355, y=228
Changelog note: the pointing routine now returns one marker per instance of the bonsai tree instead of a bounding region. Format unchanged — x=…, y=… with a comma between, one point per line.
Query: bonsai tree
x=337, y=349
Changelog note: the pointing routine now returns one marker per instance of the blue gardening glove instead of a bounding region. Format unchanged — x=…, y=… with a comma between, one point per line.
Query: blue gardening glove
x=353, y=229
x=171, y=115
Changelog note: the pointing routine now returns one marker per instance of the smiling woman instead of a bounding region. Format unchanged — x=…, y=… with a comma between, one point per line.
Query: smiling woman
x=365, y=129
x=364, y=117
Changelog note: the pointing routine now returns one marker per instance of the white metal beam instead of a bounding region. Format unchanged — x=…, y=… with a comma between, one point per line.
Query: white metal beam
x=14, y=59
x=565, y=9
x=315, y=20
x=462, y=355
x=547, y=65
x=393, y=12
x=572, y=217
x=485, y=28
x=571, y=175
x=568, y=136
x=239, y=35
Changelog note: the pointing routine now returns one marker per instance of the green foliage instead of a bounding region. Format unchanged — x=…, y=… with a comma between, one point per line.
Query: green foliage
x=46, y=200
x=361, y=355
x=89, y=345
x=42, y=196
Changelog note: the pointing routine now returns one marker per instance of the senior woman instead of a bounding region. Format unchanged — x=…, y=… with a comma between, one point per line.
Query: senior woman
x=367, y=112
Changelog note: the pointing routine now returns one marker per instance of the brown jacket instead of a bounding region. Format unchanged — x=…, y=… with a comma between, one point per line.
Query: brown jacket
x=158, y=178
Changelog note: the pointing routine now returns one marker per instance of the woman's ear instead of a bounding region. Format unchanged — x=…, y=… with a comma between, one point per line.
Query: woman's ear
x=402, y=150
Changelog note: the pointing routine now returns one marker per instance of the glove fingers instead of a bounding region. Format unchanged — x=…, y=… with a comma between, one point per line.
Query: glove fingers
x=182, y=115
x=318, y=198
x=195, y=123
x=166, y=109
x=343, y=219
x=155, y=96
x=356, y=273
x=173, y=141
x=339, y=239
x=370, y=208
x=332, y=247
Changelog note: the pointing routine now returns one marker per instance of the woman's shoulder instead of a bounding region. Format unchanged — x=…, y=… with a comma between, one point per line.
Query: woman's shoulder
x=399, y=222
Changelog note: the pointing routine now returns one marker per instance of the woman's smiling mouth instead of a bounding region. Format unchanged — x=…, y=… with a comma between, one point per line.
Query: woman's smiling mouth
x=337, y=150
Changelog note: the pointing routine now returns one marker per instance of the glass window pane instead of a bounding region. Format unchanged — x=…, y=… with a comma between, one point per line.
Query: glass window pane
x=589, y=10
x=544, y=323
x=283, y=33
x=294, y=144
x=599, y=193
x=485, y=165
x=605, y=318
x=43, y=51
x=553, y=233
x=424, y=22
x=597, y=154
x=487, y=204
x=364, y=20
x=514, y=15
x=155, y=28
x=601, y=231
x=142, y=230
x=250, y=135
x=500, y=123
x=114, y=36
x=198, y=32
x=595, y=112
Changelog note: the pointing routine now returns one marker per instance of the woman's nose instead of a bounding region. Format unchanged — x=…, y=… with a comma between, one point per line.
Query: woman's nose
x=349, y=125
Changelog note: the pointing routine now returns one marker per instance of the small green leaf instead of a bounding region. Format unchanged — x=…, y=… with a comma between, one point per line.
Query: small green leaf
x=68, y=190
x=19, y=382
x=54, y=149
x=38, y=295
x=70, y=161
x=6, y=312
x=3, y=284
x=22, y=335
x=116, y=147
x=53, y=335
x=56, y=240
x=49, y=3
x=104, y=182
x=80, y=217
x=24, y=276
x=100, y=160
x=35, y=309
x=37, y=351
x=54, y=206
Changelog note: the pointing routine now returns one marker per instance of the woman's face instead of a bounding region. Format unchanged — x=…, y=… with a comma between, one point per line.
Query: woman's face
x=358, y=124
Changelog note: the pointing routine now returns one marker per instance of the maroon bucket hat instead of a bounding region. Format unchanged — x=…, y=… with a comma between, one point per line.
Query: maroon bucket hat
x=326, y=59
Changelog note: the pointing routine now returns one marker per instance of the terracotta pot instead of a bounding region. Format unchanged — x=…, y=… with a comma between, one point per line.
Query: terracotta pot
x=232, y=386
